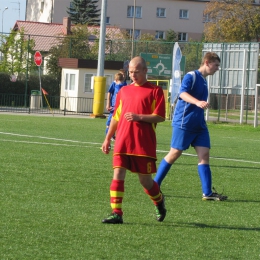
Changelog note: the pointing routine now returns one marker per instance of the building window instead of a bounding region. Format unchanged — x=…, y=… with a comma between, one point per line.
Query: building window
x=108, y=20
x=87, y=85
x=184, y=14
x=42, y=6
x=161, y=12
x=182, y=37
x=160, y=35
x=130, y=11
x=70, y=81
x=206, y=18
x=130, y=33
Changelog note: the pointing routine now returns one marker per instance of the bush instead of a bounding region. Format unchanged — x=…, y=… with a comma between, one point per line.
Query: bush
x=49, y=83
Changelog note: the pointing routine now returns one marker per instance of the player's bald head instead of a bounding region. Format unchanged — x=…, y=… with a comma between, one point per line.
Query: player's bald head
x=138, y=60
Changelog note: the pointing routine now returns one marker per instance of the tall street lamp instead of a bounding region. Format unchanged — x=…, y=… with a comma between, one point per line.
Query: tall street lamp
x=3, y=27
x=3, y=19
x=133, y=32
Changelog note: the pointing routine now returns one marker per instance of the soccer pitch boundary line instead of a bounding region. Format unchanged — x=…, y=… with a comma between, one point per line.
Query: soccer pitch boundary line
x=48, y=138
x=92, y=143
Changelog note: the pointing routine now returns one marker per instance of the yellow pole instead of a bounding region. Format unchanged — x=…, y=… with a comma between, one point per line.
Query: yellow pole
x=99, y=96
x=48, y=104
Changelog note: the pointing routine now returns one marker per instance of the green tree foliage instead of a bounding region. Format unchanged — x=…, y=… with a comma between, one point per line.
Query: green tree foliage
x=84, y=12
x=232, y=21
x=171, y=36
x=18, y=53
x=50, y=84
x=77, y=45
x=192, y=51
x=170, y=39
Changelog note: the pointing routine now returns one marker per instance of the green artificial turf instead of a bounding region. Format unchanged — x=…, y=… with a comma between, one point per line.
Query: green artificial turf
x=55, y=191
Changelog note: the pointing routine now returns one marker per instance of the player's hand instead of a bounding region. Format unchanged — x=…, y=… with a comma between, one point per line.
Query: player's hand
x=130, y=117
x=202, y=104
x=108, y=108
x=106, y=147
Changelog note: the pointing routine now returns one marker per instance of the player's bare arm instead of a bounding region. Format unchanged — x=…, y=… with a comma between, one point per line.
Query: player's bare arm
x=108, y=107
x=192, y=100
x=112, y=129
x=130, y=117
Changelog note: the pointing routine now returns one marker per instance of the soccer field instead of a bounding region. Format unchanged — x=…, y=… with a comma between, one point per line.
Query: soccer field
x=55, y=192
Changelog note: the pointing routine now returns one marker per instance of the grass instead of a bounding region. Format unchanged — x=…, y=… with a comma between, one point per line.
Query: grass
x=55, y=192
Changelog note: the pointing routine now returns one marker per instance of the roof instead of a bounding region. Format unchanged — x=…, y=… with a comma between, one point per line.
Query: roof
x=47, y=35
x=92, y=64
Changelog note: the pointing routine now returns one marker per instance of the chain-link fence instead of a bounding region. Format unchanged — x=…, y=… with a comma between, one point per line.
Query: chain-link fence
x=225, y=105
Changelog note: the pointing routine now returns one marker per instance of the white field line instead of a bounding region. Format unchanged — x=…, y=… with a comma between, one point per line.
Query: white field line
x=91, y=143
x=43, y=143
x=217, y=158
x=248, y=139
x=48, y=138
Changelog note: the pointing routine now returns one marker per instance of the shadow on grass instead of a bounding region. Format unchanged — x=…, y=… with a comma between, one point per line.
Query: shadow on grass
x=219, y=166
x=202, y=225
x=167, y=195
x=192, y=225
x=235, y=167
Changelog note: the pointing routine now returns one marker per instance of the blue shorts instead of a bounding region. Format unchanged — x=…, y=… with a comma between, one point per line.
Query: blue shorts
x=182, y=139
x=109, y=118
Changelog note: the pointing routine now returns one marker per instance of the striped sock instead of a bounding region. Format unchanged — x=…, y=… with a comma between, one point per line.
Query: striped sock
x=116, y=196
x=154, y=193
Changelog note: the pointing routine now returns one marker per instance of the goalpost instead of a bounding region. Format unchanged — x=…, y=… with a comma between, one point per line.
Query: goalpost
x=256, y=105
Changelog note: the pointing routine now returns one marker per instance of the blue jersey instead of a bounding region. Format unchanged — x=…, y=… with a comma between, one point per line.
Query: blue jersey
x=188, y=116
x=116, y=89
x=111, y=90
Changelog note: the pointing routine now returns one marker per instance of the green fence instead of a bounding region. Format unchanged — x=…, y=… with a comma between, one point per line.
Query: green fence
x=38, y=104
x=56, y=105
x=225, y=105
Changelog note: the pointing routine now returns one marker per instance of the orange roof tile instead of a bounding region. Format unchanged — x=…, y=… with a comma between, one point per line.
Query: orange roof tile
x=47, y=35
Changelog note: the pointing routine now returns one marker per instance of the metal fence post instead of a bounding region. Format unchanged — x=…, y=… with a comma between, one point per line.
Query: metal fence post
x=65, y=106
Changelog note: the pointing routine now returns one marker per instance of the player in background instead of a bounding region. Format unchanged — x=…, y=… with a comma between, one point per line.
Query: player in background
x=139, y=107
x=189, y=126
x=117, y=84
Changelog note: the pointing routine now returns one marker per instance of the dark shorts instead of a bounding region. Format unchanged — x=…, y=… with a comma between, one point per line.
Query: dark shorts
x=182, y=139
x=135, y=164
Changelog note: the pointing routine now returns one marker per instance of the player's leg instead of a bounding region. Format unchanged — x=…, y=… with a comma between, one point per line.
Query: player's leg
x=116, y=192
x=180, y=141
x=202, y=146
x=204, y=170
x=166, y=164
x=108, y=122
x=145, y=168
x=151, y=188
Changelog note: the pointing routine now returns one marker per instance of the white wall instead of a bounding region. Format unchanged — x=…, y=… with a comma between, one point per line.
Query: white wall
x=76, y=101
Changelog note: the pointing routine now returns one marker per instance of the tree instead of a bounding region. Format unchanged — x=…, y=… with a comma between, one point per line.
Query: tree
x=232, y=21
x=171, y=36
x=17, y=52
x=84, y=12
x=75, y=45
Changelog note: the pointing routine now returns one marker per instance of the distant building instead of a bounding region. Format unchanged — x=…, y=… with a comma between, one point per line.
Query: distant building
x=151, y=16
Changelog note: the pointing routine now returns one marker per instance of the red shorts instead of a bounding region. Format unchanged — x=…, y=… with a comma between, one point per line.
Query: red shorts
x=136, y=164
